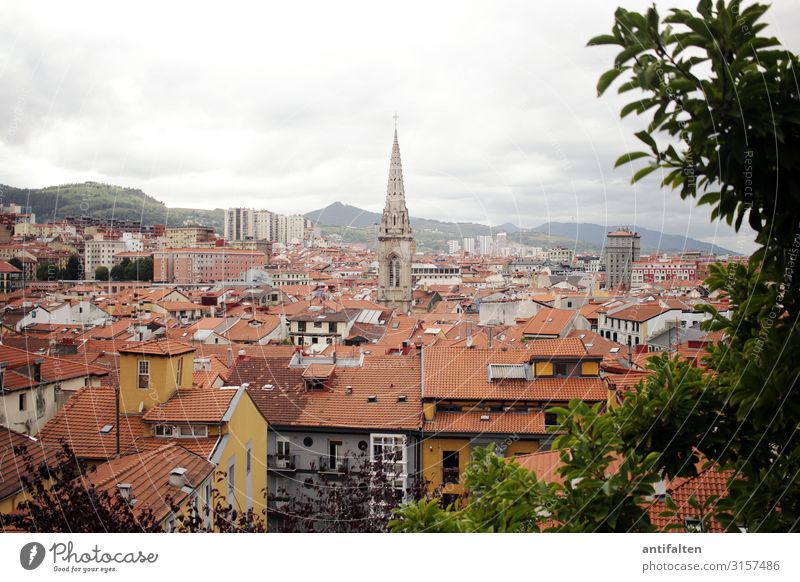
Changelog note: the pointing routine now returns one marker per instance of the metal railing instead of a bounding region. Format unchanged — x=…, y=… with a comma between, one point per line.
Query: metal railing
x=281, y=462
x=330, y=464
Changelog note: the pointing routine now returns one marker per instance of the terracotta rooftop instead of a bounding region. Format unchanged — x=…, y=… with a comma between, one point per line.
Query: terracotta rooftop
x=478, y=422
x=193, y=405
x=148, y=473
x=164, y=347
x=80, y=420
x=13, y=468
x=384, y=393
x=549, y=322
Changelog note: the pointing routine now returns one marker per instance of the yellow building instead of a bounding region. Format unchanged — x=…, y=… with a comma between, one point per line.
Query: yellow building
x=159, y=405
x=475, y=397
x=221, y=424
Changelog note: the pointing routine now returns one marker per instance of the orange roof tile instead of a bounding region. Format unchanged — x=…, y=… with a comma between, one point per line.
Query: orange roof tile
x=148, y=473
x=193, y=405
x=161, y=347
x=79, y=422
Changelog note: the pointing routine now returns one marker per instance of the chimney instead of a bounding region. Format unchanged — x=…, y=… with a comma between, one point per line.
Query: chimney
x=2, y=375
x=37, y=370
x=177, y=477
x=230, y=356
x=491, y=335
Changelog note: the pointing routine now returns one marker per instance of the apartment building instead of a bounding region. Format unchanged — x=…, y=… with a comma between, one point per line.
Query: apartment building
x=191, y=265
x=101, y=253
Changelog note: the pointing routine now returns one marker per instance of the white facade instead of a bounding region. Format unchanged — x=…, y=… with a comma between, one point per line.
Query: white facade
x=469, y=246
x=453, y=246
x=101, y=253
x=133, y=242
x=485, y=244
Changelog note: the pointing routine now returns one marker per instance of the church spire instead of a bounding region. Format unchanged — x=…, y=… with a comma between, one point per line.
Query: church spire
x=396, y=246
x=395, y=187
x=395, y=219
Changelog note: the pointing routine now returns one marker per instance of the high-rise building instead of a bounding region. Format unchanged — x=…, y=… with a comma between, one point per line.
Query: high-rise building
x=469, y=245
x=239, y=223
x=289, y=229
x=502, y=241
x=396, y=245
x=485, y=244
x=453, y=246
x=622, y=250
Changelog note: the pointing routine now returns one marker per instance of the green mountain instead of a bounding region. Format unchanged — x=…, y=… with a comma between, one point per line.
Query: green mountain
x=357, y=225
x=106, y=201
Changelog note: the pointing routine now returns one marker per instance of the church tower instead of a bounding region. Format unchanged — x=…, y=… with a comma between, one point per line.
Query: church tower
x=395, y=241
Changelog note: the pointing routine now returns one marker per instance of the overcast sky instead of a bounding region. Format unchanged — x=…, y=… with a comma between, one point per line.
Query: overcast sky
x=290, y=108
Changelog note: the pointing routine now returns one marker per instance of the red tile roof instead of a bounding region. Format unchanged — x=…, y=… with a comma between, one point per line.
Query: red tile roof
x=193, y=405
x=462, y=373
x=20, y=363
x=79, y=422
x=162, y=347
x=479, y=422
x=13, y=467
x=148, y=474
x=280, y=394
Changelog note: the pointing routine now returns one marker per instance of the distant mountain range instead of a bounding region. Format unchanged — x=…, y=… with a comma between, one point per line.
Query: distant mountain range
x=353, y=224
x=581, y=235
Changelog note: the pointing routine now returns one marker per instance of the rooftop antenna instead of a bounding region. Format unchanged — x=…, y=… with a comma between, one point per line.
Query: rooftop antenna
x=395, y=117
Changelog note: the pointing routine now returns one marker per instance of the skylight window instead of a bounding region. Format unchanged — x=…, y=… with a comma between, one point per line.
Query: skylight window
x=107, y=429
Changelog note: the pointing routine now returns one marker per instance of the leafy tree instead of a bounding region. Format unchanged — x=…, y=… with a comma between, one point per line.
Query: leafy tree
x=101, y=273
x=58, y=500
x=724, y=124
x=74, y=269
x=722, y=109
x=47, y=271
x=359, y=500
x=138, y=270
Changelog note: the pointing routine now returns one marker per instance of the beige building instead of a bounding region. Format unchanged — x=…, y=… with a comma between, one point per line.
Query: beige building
x=101, y=253
x=189, y=237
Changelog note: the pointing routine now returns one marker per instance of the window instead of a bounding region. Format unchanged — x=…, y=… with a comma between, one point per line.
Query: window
x=449, y=467
x=301, y=326
x=394, y=272
x=23, y=401
x=179, y=375
x=390, y=451
x=550, y=419
x=335, y=458
x=144, y=374
x=561, y=369
x=231, y=479
x=332, y=327
x=248, y=459
x=317, y=324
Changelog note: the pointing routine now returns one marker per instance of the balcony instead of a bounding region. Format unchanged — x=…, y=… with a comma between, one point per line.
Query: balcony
x=450, y=475
x=281, y=462
x=329, y=464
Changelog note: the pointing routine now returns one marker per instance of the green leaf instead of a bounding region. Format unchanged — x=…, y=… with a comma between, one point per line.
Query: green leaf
x=643, y=172
x=604, y=39
x=629, y=157
x=648, y=139
x=607, y=78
